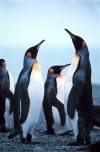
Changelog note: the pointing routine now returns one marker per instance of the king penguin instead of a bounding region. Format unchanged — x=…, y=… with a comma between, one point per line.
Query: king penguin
x=78, y=92
x=6, y=96
x=53, y=103
x=28, y=96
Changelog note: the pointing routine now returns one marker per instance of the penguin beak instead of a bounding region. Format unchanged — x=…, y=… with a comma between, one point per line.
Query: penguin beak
x=71, y=34
x=64, y=66
x=38, y=45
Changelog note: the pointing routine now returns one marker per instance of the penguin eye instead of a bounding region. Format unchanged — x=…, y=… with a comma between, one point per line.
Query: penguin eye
x=4, y=64
x=51, y=70
x=28, y=54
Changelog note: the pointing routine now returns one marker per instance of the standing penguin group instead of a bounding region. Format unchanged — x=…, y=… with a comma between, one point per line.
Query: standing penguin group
x=67, y=101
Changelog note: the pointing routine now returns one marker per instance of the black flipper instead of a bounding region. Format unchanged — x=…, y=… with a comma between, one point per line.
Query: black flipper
x=16, y=113
x=47, y=108
x=60, y=107
x=76, y=143
x=25, y=102
x=73, y=98
x=16, y=107
x=10, y=96
x=6, y=92
x=2, y=110
x=21, y=94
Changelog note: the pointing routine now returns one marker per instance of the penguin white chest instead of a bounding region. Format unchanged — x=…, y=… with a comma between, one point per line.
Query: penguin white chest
x=36, y=94
x=36, y=90
x=60, y=96
x=60, y=88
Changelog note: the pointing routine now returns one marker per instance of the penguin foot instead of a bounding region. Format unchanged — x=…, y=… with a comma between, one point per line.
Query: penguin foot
x=8, y=129
x=29, y=138
x=70, y=133
x=88, y=142
x=4, y=129
x=23, y=141
x=14, y=132
x=45, y=132
x=48, y=132
x=77, y=143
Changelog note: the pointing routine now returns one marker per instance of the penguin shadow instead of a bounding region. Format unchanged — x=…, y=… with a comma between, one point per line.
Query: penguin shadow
x=46, y=134
x=5, y=130
x=69, y=133
x=35, y=143
x=95, y=147
x=31, y=143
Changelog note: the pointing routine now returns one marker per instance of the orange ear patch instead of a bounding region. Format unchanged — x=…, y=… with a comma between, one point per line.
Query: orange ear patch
x=83, y=44
x=51, y=70
x=29, y=55
x=4, y=64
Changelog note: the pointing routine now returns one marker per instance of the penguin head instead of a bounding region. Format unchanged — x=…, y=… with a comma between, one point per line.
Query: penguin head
x=2, y=63
x=32, y=52
x=78, y=42
x=57, y=69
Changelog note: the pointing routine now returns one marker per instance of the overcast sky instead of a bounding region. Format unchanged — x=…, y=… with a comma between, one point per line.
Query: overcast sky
x=26, y=22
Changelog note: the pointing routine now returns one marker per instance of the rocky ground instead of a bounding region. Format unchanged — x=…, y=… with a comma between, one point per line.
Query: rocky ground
x=48, y=143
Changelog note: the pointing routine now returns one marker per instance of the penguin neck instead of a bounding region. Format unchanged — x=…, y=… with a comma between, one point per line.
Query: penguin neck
x=52, y=76
x=3, y=70
x=83, y=53
x=28, y=62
